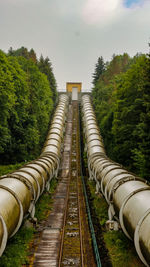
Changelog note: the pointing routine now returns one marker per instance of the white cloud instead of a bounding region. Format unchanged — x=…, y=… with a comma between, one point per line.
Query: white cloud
x=102, y=11
x=73, y=34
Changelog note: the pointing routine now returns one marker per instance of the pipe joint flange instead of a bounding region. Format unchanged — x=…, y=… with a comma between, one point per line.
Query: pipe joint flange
x=38, y=162
x=117, y=184
x=5, y=236
x=20, y=207
x=136, y=238
x=48, y=162
x=24, y=181
x=115, y=168
x=43, y=184
x=32, y=187
x=123, y=205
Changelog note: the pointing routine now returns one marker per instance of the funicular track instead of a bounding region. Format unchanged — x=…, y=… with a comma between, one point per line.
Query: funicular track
x=76, y=248
x=71, y=246
x=65, y=239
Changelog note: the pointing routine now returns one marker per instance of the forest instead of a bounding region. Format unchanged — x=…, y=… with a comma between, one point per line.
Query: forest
x=120, y=94
x=121, y=98
x=28, y=94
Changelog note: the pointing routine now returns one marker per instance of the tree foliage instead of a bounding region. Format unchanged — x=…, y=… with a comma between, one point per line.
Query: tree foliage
x=122, y=103
x=26, y=105
x=99, y=69
x=7, y=100
x=23, y=52
x=45, y=67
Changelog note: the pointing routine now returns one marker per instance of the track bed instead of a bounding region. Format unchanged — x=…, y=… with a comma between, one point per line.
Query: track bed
x=65, y=238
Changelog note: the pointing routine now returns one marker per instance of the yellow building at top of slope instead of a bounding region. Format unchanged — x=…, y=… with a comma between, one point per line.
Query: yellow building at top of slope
x=70, y=86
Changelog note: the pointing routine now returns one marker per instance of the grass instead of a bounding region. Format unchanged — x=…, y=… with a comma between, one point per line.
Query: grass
x=44, y=204
x=4, y=169
x=121, y=249
x=18, y=248
x=99, y=204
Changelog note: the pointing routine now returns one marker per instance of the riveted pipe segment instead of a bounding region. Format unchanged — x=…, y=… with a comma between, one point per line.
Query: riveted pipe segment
x=142, y=238
x=10, y=209
x=128, y=196
x=3, y=235
x=20, y=190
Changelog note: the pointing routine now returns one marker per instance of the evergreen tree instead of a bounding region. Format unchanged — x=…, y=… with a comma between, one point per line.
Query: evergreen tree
x=23, y=52
x=141, y=152
x=45, y=66
x=32, y=55
x=131, y=121
x=99, y=69
x=121, y=99
x=103, y=97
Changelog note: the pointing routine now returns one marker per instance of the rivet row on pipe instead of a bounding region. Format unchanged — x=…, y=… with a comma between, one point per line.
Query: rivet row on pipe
x=127, y=195
x=20, y=190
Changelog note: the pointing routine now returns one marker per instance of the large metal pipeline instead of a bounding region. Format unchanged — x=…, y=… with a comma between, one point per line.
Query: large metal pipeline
x=128, y=196
x=20, y=190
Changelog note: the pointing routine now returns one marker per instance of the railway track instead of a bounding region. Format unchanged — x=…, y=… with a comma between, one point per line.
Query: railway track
x=72, y=243
x=65, y=238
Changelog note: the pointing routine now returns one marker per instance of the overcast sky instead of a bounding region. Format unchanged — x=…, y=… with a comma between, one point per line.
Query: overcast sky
x=74, y=33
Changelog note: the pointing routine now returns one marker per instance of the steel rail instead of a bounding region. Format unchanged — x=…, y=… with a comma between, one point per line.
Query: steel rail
x=74, y=146
x=95, y=246
x=63, y=229
x=78, y=186
x=65, y=215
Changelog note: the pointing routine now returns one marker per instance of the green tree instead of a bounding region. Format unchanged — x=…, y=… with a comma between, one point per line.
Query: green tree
x=40, y=98
x=121, y=98
x=7, y=100
x=17, y=148
x=99, y=69
x=103, y=100
x=23, y=52
x=45, y=67
x=141, y=152
x=25, y=106
x=32, y=55
x=131, y=116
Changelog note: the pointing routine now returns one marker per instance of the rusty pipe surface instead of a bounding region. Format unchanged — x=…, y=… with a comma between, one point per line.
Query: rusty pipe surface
x=20, y=189
x=127, y=195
